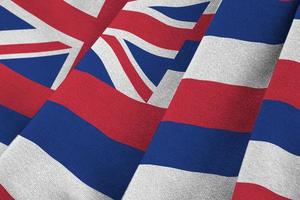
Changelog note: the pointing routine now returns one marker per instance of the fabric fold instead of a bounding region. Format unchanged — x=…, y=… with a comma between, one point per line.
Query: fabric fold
x=199, y=147
x=40, y=42
x=271, y=167
x=99, y=122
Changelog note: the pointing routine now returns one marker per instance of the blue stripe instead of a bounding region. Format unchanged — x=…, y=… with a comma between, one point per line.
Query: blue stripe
x=9, y=21
x=40, y=69
x=11, y=124
x=98, y=161
x=185, y=55
x=279, y=123
x=152, y=65
x=254, y=20
x=197, y=149
x=188, y=13
x=155, y=67
x=92, y=64
x=297, y=15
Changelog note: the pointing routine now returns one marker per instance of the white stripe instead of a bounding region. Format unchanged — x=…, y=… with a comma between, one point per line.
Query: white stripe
x=167, y=3
x=64, y=70
x=25, y=36
x=212, y=7
x=72, y=54
x=291, y=48
x=46, y=33
x=143, y=6
x=234, y=62
x=136, y=66
x=91, y=7
x=157, y=182
x=28, y=172
x=160, y=16
x=121, y=34
x=272, y=167
x=3, y=147
x=166, y=89
x=50, y=33
x=114, y=69
x=33, y=55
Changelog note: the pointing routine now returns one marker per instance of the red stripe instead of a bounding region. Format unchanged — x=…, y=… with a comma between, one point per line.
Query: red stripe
x=72, y=21
x=21, y=94
x=285, y=83
x=119, y=117
x=143, y=90
x=108, y=12
x=31, y=48
x=4, y=195
x=215, y=105
x=64, y=17
x=152, y=30
x=201, y=26
x=249, y=191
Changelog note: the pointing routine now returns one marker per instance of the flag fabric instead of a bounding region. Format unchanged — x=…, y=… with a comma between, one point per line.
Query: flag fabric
x=126, y=81
x=200, y=143
x=39, y=44
x=270, y=167
x=149, y=99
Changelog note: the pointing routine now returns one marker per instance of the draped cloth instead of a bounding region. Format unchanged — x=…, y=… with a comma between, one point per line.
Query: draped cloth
x=149, y=99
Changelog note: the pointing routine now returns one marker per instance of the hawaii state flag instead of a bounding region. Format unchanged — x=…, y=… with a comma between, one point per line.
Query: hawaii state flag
x=149, y=99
